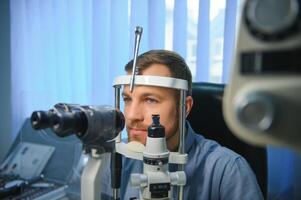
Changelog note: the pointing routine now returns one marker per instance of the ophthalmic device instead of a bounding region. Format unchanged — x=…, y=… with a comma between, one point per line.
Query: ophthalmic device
x=99, y=128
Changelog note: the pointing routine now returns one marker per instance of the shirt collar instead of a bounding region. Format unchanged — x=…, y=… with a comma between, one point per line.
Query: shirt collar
x=190, y=137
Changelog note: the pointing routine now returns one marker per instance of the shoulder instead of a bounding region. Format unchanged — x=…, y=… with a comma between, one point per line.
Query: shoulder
x=212, y=151
x=239, y=181
x=208, y=157
x=208, y=154
x=228, y=172
x=202, y=148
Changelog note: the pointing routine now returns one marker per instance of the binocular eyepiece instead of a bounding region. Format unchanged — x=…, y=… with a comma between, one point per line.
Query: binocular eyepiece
x=94, y=125
x=62, y=123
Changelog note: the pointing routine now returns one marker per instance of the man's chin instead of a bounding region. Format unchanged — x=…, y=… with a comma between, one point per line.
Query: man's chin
x=140, y=140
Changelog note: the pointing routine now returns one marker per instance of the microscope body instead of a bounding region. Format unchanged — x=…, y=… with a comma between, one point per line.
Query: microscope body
x=95, y=126
x=156, y=181
x=262, y=100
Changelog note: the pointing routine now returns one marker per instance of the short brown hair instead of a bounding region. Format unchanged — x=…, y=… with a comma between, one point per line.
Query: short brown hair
x=173, y=61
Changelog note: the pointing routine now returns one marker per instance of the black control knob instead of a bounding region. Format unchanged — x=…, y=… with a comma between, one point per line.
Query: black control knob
x=272, y=20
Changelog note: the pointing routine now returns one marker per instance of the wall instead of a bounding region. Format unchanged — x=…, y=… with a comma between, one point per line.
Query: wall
x=5, y=79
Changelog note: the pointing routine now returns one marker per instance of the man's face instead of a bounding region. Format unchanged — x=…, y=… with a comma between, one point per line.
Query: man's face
x=144, y=101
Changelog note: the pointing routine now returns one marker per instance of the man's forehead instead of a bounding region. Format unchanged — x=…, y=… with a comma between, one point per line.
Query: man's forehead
x=141, y=88
x=147, y=90
x=156, y=69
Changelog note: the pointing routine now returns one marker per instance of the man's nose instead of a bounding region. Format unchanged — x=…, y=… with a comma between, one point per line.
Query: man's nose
x=134, y=112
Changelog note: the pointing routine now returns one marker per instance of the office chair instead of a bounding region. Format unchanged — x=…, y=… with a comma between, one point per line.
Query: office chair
x=206, y=118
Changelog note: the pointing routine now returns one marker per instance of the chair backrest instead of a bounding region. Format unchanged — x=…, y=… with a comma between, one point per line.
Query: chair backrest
x=206, y=118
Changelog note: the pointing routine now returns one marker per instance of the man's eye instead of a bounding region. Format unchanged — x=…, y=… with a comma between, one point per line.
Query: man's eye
x=151, y=100
x=126, y=99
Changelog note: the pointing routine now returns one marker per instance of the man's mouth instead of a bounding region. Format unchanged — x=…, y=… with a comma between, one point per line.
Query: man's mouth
x=137, y=132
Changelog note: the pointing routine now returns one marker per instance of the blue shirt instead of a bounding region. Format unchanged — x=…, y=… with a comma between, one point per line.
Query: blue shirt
x=212, y=172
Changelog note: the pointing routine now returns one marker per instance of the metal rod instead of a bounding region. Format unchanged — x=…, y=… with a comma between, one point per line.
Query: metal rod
x=182, y=118
x=117, y=106
x=135, y=70
x=115, y=193
x=116, y=159
x=182, y=130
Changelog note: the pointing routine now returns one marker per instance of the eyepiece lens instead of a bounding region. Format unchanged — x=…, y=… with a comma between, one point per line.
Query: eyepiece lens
x=40, y=120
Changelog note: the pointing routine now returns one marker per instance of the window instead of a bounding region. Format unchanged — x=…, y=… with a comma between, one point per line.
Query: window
x=216, y=32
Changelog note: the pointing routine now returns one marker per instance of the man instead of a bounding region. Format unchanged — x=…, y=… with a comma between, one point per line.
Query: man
x=212, y=171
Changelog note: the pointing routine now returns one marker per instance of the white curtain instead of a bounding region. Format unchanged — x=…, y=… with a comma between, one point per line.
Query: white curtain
x=70, y=51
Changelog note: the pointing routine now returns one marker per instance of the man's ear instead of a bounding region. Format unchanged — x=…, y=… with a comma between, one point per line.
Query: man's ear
x=189, y=103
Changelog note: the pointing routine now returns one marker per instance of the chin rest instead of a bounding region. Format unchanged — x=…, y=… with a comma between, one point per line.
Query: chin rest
x=206, y=118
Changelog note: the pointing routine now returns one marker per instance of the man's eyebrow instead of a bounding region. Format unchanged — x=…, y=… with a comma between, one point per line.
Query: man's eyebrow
x=124, y=94
x=146, y=94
